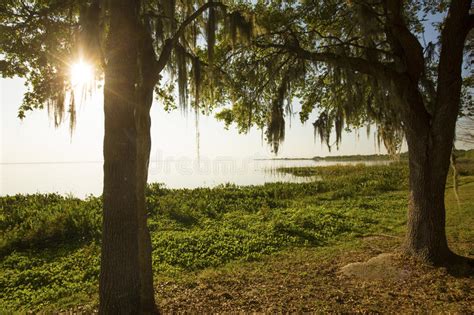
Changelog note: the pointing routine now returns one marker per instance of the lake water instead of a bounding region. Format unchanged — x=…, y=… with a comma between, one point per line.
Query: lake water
x=85, y=178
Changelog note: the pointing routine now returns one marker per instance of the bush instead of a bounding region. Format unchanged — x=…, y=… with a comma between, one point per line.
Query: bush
x=37, y=221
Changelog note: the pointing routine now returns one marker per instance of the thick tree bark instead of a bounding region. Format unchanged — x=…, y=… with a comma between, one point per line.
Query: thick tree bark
x=150, y=68
x=143, y=124
x=119, y=286
x=132, y=71
x=426, y=235
x=144, y=96
x=428, y=165
x=429, y=129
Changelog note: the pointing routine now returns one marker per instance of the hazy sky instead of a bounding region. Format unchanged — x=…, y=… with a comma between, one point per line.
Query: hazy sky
x=173, y=135
x=36, y=140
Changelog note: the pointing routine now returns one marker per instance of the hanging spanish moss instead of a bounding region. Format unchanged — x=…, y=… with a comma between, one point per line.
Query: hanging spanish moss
x=180, y=54
x=88, y=47
x=72, y=114
x=391, y=136
x=338, y=125
x=198, y=135
x=56, y=107
x=196, y=70
x=211, y=33
x=322, y=128
x=276, y=125
x=196, y=89
x=239, y=27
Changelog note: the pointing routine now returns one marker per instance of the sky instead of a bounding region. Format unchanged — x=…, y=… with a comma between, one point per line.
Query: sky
x=35, y=139
x=173, y=134
x=37, y=157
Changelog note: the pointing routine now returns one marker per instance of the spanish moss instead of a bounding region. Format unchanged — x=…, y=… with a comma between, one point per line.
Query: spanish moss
x=322, y=128
x=276, y=125
x=196, y=70
x=180, y=54
x=72, y=114
x=211, y=34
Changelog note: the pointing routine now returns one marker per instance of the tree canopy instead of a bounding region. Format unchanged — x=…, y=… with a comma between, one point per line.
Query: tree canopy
x=337, y=57
x=333, y=56
x=41, y=40
x=358, y=62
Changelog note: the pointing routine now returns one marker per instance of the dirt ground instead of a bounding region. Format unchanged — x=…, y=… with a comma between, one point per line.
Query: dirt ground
x=368, y=276
x=325, y=280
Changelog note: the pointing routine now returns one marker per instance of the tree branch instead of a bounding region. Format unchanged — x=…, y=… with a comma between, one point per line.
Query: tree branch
x=470, y=22
x=376, y=69
x=171, y=42
x=409, y=46
x=453, y=37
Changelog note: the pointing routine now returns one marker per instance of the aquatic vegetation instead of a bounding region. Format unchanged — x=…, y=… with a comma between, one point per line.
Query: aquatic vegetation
x=50, y=244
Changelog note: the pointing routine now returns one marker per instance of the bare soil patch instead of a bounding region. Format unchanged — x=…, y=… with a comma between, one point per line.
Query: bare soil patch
x=337, y=279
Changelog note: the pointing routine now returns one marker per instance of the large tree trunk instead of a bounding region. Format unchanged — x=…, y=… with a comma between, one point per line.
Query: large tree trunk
x=144, y=96
x=143, y=123
x=426, y=235
x=130, y=79
x=429, y=129
x=119, y=276
x=429, y=150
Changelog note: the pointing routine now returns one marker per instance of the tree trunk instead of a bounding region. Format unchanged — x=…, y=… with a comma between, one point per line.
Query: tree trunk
x=430, y=139
x=143, y=123
x=429, y=150
x=144, y=97
x=426, y=235
x=119, y=285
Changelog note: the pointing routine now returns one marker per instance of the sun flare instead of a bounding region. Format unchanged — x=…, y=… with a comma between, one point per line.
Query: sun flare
x=82, y=74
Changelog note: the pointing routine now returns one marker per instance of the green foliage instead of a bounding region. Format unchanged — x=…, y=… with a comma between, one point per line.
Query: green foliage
x=49, y=279
x=50, y=251
x=36, y=44
x=40, y=40
x=363, y=158
x=355, y=177
x=37, y=221
x=51, y=244
x=333, y=57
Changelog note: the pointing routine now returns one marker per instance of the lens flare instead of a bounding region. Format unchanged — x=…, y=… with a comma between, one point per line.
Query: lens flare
x=82, y=74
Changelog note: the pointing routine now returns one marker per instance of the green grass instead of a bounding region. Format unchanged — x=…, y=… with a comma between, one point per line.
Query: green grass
x=50, y=245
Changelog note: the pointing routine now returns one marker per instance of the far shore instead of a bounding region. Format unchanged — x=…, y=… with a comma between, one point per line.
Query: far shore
x=370, y=157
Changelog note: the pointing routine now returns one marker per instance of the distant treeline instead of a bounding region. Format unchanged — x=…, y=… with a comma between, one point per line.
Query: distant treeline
x=371, y=157
x=465, y=154
x=358, y=157
x=460, y=154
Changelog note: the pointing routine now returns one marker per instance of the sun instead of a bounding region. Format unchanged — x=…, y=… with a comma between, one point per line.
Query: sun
x=81, y=74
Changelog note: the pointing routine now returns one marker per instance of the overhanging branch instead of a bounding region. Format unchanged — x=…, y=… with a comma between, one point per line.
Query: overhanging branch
x=170, y=43
x=470, y=22
x=411, y=51
x=376, y=69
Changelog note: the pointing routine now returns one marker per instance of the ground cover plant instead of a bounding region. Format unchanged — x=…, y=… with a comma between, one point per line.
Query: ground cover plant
x=50, y=244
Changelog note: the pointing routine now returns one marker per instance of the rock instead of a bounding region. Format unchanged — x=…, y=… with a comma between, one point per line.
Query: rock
x=381, y=267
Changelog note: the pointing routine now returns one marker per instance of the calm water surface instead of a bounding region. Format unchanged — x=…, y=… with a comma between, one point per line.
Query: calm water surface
x=82, y=179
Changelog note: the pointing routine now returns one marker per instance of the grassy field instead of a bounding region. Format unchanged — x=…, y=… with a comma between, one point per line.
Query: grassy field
x=276, y=247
